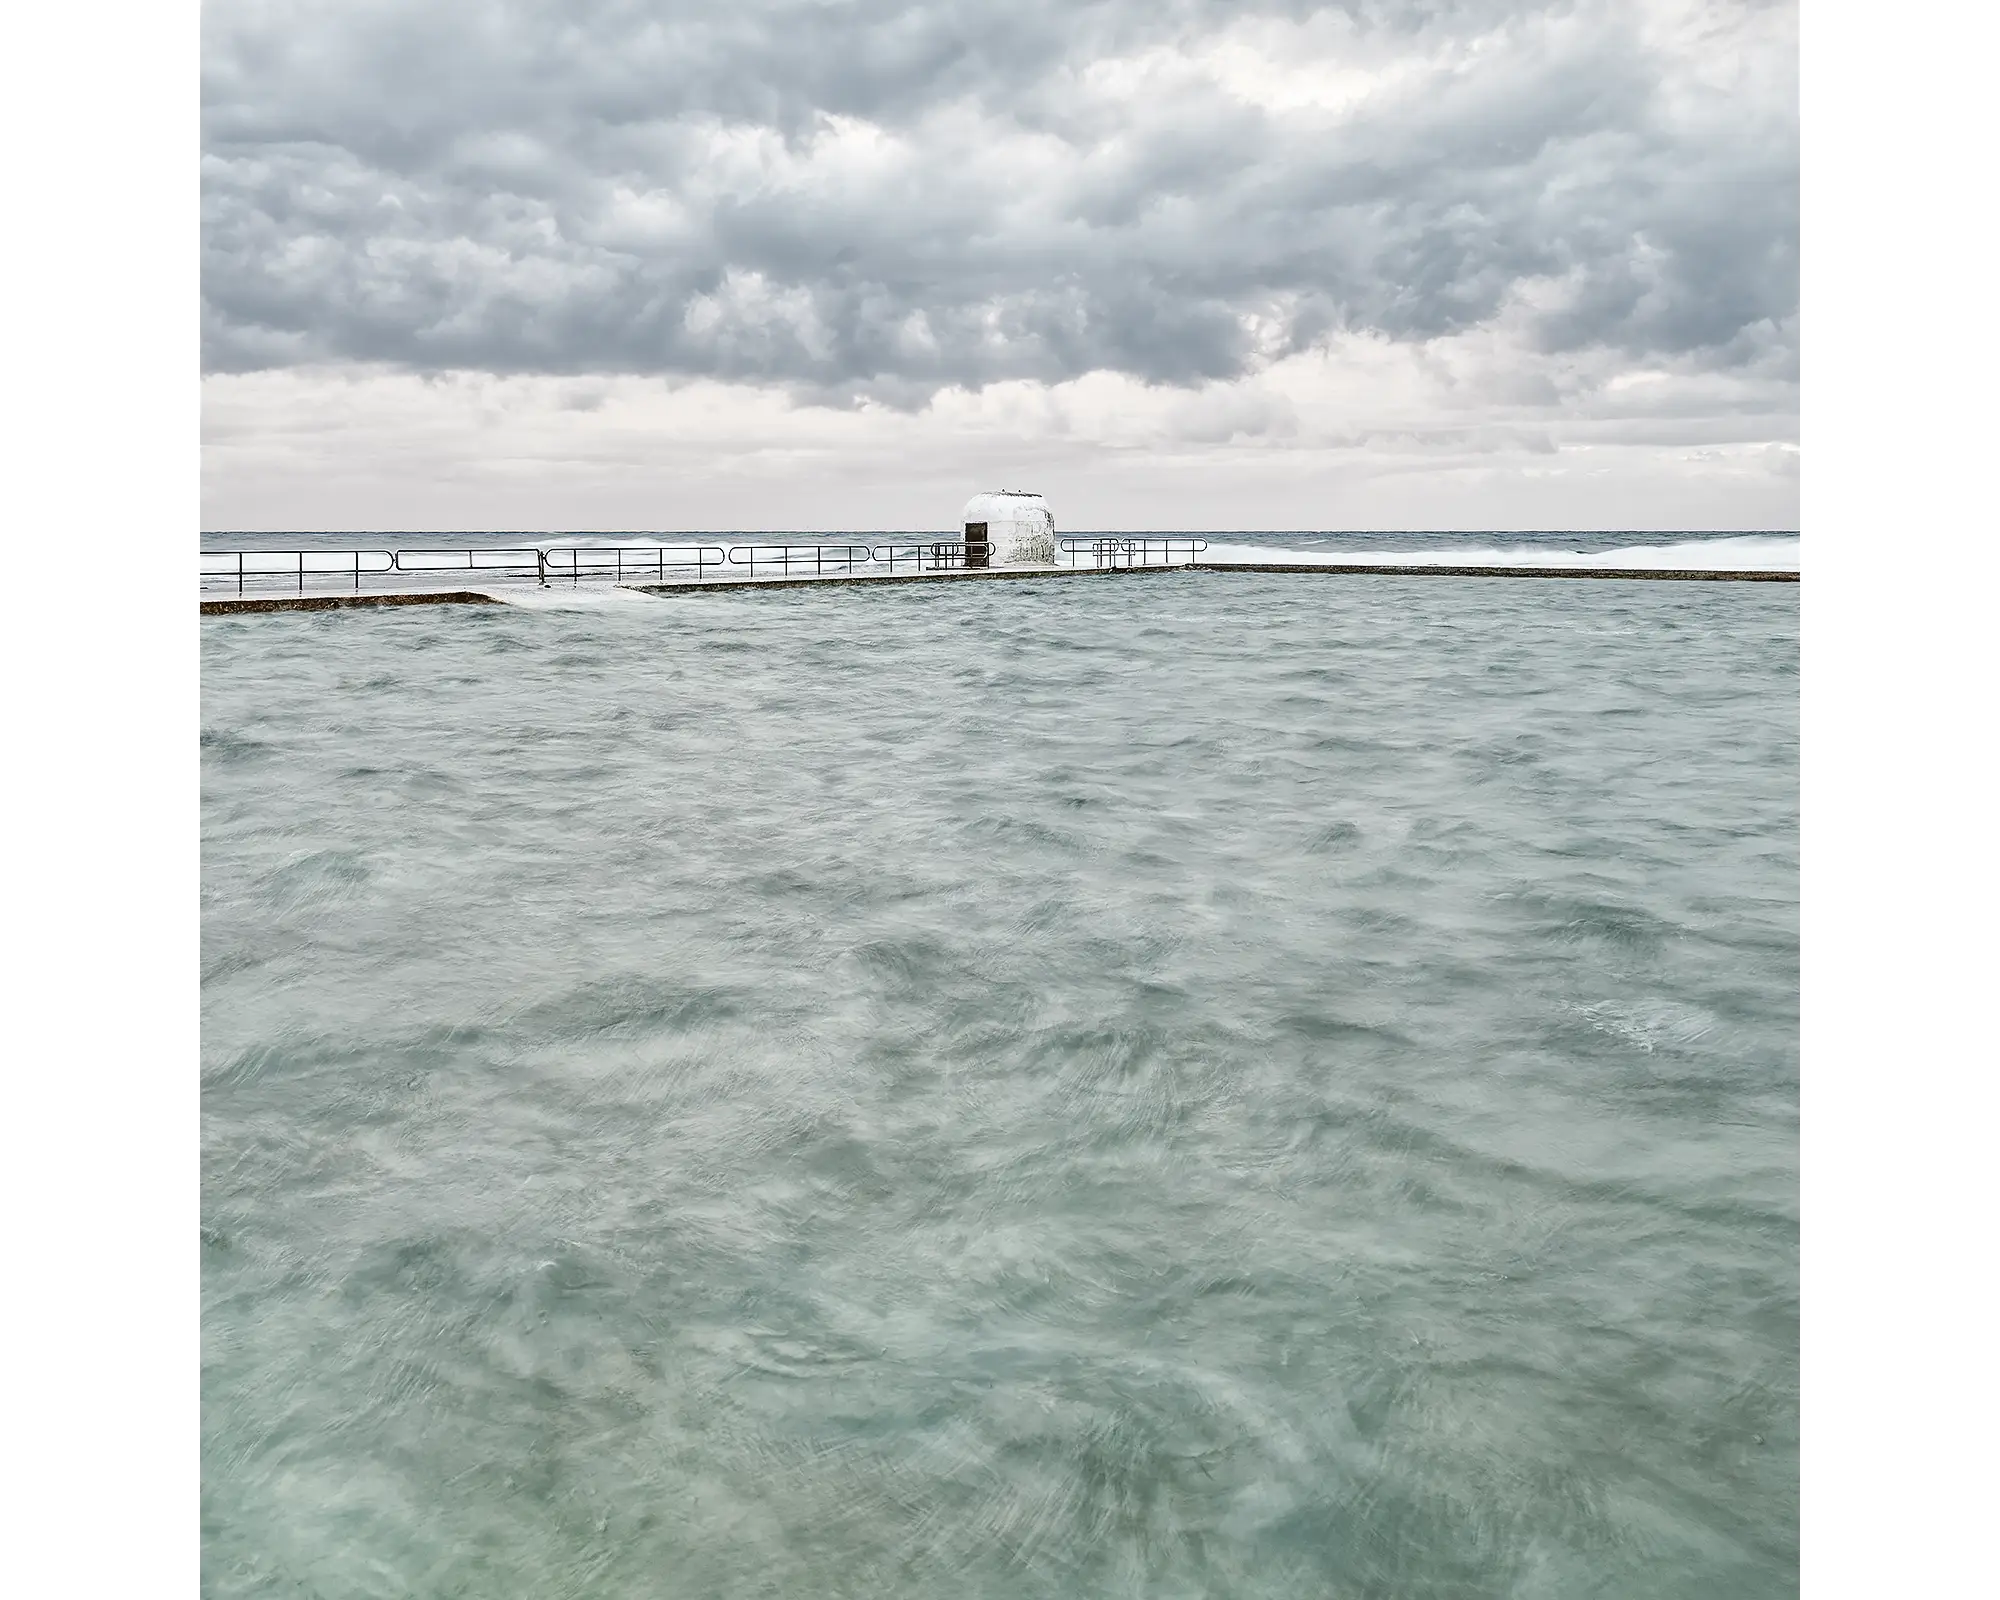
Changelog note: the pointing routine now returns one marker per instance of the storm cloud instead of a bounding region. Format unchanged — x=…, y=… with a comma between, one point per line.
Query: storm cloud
x=866, y=201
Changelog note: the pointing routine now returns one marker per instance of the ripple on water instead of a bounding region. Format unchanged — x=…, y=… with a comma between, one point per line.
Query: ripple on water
x=1175, y=1087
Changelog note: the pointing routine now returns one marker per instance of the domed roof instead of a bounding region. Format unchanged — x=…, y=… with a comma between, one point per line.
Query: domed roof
x=1005, y=505
x=1019, y=525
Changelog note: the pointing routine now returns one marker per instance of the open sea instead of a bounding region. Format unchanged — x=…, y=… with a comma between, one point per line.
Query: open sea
x=1198, y=1084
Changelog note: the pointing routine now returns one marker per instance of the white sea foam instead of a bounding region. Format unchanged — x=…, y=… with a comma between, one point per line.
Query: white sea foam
x=1749, y=553
x=566, y=596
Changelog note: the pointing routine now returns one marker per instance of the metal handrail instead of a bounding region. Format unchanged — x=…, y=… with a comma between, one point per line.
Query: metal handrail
x=823, y=557
x=243, y=568
x=621, y=562
x=1139, y=550
x=928, y=555
x=618, y=560
x=297, y=565
x=517, y=561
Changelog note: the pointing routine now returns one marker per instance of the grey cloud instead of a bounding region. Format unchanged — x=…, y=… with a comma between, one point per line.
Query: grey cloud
x=576, y=189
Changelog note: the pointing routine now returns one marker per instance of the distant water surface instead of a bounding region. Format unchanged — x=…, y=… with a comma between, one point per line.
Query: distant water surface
x=1193, y=1084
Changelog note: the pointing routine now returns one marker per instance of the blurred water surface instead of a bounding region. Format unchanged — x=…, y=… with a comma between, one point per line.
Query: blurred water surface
x=1192, y=1084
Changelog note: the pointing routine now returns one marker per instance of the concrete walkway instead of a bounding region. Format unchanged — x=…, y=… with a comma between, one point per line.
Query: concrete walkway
x=521, y=591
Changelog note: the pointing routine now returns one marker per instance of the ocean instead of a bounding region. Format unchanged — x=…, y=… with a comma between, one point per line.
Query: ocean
x=1199, y=1084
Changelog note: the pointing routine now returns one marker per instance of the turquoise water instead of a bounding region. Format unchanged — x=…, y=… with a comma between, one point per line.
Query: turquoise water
x=1195, y=1084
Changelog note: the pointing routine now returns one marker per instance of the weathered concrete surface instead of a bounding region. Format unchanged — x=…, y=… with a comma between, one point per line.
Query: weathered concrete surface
x=959, y=575
x=1344, y=570
x=341, y=602
x=528, y=593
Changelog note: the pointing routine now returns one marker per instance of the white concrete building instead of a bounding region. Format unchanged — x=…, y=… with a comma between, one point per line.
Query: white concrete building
x=1016, y=528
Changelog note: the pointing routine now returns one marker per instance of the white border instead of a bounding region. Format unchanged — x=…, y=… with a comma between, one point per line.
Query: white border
x=1899, y=810
x=1899, y=815
x=102, y=1344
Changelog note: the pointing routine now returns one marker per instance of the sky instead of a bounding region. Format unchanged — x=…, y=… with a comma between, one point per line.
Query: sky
x=618, y=265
